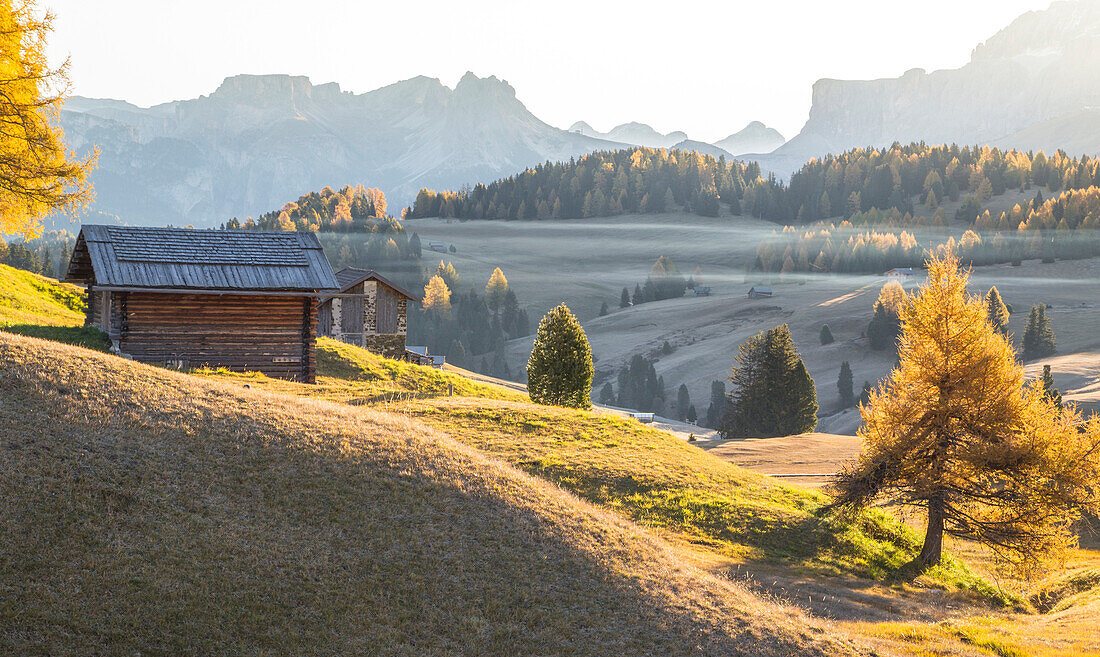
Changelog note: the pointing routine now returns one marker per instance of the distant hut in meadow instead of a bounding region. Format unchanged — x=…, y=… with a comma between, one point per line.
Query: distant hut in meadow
x=370, y=311
x=243, y=300
x=759, y=292
x=901, y=275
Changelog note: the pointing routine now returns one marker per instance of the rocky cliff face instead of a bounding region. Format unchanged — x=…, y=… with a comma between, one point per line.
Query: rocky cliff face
x=1031, y=85
x=259, y=141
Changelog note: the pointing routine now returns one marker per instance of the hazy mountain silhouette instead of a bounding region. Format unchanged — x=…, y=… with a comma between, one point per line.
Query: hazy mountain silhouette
x=259, y=141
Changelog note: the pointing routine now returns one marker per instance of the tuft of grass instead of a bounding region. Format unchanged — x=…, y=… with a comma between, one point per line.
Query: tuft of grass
x=997, y=637
x=1065, y=590
x=154, y=512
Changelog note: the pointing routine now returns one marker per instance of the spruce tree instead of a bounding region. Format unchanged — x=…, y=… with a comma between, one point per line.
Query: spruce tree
x=607, y=394
x=717, y=404
x=1049, y=391
x=957, y=432
x=624, y=299
x=772, y=394
x=865, y=394
x=997, y=311
x=692, y=416
x=683, y=401
x=1038, y=336
x=603, y=309
x=826, y=335
x=559, y=372
x=844, y=385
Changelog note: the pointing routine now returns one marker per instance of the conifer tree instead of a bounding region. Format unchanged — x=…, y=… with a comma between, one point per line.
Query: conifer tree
x=1038, y=336
x=1049, y=391
x=844, y=385
x=956, y=431
x=997, y=311
x=692, y=415
x=865, y=394
x=559, y=372
x=607, y=394
x=717, y=404
x=771, y=392
x=603, y=309
x=496, y=289
x=624, y=299
x=826, y=335
x=437, y=297
x=683, y=401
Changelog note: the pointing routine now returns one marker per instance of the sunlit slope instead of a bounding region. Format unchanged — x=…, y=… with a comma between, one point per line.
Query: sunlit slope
x=157, y=513
x=27, y=298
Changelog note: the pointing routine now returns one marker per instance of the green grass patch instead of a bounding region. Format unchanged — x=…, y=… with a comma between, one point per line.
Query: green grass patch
x=660, y=481
x=27, y=298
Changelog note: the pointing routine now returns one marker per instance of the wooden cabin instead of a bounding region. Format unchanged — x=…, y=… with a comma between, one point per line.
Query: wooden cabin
x=370, y=311
x=759, y=292
x=243, y=300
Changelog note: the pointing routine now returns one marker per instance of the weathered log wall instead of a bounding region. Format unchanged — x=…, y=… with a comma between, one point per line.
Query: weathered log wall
x=269, y=334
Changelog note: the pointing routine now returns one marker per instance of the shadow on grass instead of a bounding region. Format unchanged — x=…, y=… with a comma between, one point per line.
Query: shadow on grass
x=81, y=336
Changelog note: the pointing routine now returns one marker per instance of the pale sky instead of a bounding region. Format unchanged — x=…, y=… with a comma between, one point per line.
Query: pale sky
x=706, y=68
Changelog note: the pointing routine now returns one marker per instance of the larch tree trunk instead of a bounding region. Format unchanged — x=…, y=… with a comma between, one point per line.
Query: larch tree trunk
x=932, y=550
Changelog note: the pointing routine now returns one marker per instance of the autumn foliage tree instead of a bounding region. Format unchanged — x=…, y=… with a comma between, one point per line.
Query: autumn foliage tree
x=559, y=372
x=955, y=430
x=38, y=175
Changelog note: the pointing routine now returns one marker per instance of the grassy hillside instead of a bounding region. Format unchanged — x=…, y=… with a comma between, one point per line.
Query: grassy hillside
x=42, y=307
x=153, y=512
x=643, y=474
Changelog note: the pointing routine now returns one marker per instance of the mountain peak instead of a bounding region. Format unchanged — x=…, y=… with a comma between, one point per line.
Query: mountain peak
x=492, y=86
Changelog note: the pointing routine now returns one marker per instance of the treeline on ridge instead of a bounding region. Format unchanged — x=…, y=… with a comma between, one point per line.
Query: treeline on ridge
x=646, y=180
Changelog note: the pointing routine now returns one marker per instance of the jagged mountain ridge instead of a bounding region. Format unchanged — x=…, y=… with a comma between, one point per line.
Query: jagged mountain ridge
x=261, y=140
x=633, y=133
x=1033, y=85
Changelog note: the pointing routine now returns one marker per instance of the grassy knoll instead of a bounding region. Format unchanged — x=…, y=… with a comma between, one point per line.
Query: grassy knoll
x=153, y=512
x=643, y=474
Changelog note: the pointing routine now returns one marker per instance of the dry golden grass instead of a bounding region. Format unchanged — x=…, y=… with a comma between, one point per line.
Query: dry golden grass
x=151, y=512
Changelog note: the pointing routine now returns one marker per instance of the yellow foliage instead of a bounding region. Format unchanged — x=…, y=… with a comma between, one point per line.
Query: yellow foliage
x=37, y=174
x=956, y=429
x=437, y=297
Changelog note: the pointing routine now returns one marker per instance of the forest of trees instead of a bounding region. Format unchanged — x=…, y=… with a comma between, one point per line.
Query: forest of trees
x=469, y=328
x=605, y=183
x=850, y=185
x=47, y=254
x=341, y=218
x=1063, y=227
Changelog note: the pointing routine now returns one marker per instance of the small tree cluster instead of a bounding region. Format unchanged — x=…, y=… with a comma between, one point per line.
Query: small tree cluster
x=1038, y=336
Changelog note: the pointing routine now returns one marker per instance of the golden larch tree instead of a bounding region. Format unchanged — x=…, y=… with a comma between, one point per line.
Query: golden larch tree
x=496, y=289
x=956, y=430
x=38, y=175
x=437, y=297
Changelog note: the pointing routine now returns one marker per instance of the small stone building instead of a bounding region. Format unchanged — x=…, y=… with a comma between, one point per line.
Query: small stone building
x=370, y=311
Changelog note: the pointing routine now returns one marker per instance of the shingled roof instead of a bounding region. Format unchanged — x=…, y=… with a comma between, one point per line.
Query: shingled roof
x=349, y=277
x=173, y=258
